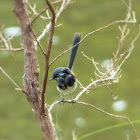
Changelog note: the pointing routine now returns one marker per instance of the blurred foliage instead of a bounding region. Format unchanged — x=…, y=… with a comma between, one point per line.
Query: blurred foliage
x=17, y=118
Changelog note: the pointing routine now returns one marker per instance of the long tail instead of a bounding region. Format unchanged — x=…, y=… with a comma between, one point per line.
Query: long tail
x=76, y=39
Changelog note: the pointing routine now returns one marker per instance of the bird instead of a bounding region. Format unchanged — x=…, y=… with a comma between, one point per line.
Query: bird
x=64, y=76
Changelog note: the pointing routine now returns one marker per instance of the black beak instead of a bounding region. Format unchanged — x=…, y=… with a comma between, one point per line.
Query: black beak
x=50, y=79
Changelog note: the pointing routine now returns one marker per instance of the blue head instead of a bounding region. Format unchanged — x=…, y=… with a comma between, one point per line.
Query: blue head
x=60, y=72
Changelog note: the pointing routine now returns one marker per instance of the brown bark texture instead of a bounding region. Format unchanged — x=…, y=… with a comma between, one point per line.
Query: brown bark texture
x=31, y=83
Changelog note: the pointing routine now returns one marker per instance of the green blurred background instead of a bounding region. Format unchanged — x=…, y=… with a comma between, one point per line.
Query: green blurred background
x=17, y=120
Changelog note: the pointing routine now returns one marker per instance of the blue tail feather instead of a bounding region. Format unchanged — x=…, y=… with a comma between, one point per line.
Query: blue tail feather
x=77, y=38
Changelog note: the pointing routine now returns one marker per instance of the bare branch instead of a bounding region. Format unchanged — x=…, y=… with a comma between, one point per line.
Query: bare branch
x=129, y=51
x=10, y=78
x=14, y=83
x=123, y=32
x=91, y=84
x=51, y=107
x=112, y=77
x=31, y=76
x=106, y=113
x=34, y=11
x=4, y=39
x=48, y=54
x=112, y=115
x=112, y=74
x=83, y=91
x=55, y=2
x=115, y=22
x=31, y=83
x=37, y=41
x=48, y=26
x=9, y=48
x=13, y=50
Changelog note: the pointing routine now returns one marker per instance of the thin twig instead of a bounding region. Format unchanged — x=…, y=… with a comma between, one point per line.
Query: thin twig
x=48, y=26
x=115, y=22
x=9, y=47
x=106, y=113
x=33, y=9
x=48, y=54
x=123, y=36
x=4, y=39
x=55, y=2
x=13, y=50
x=14, y=83
x=129, y=51
x=91, y=84
x=112, y=76
x=51, y=107
x=10, y=78
x=37, y=40
x=83, y=91
x=80, y=84
x=38, y=15
x=112, y=115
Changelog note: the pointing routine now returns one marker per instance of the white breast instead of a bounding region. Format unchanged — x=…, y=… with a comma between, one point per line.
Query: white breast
x=68, y=90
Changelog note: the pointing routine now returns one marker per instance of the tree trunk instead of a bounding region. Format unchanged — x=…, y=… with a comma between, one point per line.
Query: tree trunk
x=31, y=83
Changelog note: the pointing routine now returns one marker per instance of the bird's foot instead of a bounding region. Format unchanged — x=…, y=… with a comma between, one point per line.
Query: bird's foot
x=62, y=100
x=73, y=101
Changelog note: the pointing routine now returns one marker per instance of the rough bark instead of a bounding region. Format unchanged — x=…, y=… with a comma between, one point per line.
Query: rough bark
x=31, y=83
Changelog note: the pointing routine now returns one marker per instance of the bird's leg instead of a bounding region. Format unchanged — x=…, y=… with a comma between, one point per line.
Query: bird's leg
x=62, y=99
x=72, y=100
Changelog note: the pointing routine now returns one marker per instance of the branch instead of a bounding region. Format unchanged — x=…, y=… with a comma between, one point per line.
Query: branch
x=80, y=94
x=37, y=40
x=14, y=83
x=33, y=9
x=47, y=55
x=112, y=115
x=9, y=48
x=112, y=73
x=31, y=76
x=48, y=26
x=109, y=75
x=55, y=2
x=17, y=87
x=91, y=84
x=4, y=39
x=123, y=31
x=129, y=51
x=106, y=113
x=13, y=50
x=115, y=22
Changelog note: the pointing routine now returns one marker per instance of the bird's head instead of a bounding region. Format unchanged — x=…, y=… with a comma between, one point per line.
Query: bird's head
x=60, y=72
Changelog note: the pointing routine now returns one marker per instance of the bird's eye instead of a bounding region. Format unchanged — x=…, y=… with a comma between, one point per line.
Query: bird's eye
x=55, y=76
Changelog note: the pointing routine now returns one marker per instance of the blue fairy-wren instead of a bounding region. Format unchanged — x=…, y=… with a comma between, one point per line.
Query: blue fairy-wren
x=65, y=78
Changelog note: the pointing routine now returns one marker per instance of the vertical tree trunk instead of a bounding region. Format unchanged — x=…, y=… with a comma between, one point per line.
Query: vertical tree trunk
x=31, y=83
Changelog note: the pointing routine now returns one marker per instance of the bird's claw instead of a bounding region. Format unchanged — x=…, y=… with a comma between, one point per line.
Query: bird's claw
x=73, y=101
x=62, y=100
